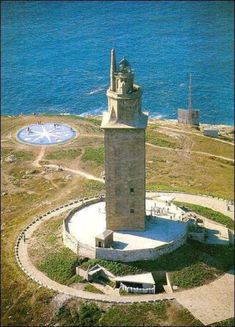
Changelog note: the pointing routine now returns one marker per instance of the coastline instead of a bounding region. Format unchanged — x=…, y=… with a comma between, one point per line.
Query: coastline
x=151, y=119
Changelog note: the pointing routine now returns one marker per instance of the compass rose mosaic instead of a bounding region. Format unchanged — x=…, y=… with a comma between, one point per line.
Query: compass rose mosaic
x=46, y=134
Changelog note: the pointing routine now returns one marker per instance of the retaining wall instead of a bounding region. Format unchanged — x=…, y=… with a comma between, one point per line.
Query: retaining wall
x=142, y=254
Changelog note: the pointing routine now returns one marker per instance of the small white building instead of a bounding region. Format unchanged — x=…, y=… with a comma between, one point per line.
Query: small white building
x=211, y=132
x=141, y=283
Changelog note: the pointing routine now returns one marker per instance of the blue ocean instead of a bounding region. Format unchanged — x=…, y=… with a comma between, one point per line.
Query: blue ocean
x=56, y=55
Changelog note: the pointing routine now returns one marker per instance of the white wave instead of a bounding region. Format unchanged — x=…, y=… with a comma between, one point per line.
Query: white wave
x=99, y=89
x=65, y=114
x=157, y=116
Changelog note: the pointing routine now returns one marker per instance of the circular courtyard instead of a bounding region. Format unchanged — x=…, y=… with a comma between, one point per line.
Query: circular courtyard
x=163, y=228
x=46, y=134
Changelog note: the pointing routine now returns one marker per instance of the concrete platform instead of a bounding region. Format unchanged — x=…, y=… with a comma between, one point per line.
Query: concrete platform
x=90, y=221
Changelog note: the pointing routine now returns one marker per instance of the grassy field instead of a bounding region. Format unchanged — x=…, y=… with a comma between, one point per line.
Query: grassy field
x=95, y=155
x=165, y=313
x=64, y=154
x=30, y=193
x=224, y=323
x=91, y=288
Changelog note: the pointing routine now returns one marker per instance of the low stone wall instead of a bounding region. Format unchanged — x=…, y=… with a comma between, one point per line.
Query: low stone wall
x=81, y=272
x=142, y=254
x=168, y=280
x=83, y=250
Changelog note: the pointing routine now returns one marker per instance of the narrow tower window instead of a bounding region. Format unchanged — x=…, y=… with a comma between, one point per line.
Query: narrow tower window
x=132, y=211
x=132, y=190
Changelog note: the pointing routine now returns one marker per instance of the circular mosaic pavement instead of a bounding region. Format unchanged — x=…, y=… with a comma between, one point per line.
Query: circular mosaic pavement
x=46, y=134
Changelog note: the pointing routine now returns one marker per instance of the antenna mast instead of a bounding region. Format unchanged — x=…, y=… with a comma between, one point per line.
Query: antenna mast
x=190, y=93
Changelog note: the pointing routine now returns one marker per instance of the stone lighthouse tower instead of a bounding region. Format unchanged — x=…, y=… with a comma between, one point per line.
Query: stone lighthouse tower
x=124, y=138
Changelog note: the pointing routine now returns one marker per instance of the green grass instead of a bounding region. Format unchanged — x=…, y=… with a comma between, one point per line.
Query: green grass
x=161, y=313
x=148, y=314
x=95, y=121
x=91, y=288
x=170, y=187
x=135, y=314
x=161, y=139
x=227, y=322
x=64, y=154
x=20, y=155
x=117, y=268
x=89, y=314
x=66, y=317
x=96, y=155
x=208, y=213
x=75, y=279
x=194, y=275
x=60, y=266
x=192, y=264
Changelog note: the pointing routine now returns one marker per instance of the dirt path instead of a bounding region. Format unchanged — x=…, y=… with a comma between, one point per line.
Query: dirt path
x=92, y=135
x=39, y=157
x=78, y=172
x=189, y=151
x=193, y=133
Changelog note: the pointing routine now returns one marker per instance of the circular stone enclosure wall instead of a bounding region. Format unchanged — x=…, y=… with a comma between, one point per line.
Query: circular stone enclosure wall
x=123, y=255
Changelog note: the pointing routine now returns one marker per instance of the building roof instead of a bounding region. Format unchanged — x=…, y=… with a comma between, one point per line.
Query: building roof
x=146, y=278
x=96, y=268
x=105, y=234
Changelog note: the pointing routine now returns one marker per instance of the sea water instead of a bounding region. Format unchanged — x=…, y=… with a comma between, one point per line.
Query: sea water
x=56, y=55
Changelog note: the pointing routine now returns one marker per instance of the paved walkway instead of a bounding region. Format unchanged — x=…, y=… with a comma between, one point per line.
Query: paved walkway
x=209, y=303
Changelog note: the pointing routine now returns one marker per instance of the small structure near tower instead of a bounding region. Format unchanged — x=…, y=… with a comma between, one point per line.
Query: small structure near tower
x=189, y=116
x=124, y=140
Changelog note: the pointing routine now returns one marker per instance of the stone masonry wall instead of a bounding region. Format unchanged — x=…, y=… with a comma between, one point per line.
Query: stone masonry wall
x=125, y=178
x=135, y=255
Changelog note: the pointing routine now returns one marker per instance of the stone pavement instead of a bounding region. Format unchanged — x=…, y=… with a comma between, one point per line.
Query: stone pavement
x=203, y=200
x=212, y=302
x=209, y=303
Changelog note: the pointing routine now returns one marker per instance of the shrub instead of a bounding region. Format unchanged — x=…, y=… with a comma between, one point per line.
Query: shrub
x=89, y=314
x=60, y=266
